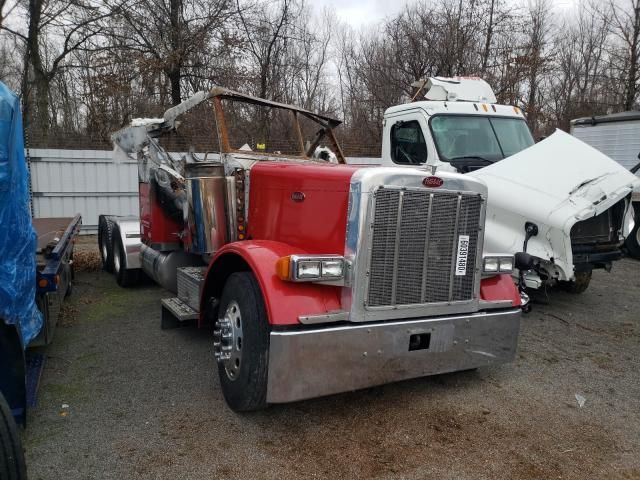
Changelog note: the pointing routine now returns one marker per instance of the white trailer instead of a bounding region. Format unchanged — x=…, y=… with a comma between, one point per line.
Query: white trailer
x=617, y=136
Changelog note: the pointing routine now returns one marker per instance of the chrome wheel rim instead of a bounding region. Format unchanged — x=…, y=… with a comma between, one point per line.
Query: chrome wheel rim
x=104, y=250
x=638, y=236
x=116, y=258
x=227, y=340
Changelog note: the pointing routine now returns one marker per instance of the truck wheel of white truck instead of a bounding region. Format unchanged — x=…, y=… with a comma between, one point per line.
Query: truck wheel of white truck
x=633, y=242
x=12, y=466
x=241, y=343
x=579, y=285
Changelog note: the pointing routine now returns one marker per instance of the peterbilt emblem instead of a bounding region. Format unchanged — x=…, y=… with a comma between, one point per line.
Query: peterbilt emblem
x=297, y=196
x=433, y=182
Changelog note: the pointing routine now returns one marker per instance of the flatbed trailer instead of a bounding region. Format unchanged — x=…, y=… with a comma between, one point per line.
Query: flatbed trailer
x=54, y=275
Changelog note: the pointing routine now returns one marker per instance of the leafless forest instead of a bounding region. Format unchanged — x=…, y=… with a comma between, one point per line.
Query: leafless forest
x=84, y=68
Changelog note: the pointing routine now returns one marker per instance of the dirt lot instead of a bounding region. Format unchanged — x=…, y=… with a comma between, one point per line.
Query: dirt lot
x=143, y=403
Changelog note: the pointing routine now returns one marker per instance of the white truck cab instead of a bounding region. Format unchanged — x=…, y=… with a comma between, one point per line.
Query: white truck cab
x=561, y=201
x=459, y=127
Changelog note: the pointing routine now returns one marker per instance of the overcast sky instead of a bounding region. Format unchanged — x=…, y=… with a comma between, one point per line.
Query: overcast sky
x=360, y=12
x=366, y=12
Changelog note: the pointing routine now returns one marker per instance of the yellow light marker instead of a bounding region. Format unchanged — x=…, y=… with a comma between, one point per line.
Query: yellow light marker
x=283, y=265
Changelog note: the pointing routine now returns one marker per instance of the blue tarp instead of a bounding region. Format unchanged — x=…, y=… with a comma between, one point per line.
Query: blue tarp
x=18, y=240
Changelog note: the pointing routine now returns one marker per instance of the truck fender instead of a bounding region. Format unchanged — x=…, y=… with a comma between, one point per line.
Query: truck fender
x=12, y=372
x=285, y=301
x=499, y=287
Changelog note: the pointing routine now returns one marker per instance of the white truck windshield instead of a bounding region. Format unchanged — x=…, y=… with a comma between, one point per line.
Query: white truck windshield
x=488, y=138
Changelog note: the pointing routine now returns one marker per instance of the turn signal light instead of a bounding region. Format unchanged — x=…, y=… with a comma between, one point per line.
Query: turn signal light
x=283, y=266
x=43, y=283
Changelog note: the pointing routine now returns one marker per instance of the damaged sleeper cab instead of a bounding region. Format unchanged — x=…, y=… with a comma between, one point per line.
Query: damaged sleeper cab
x=318, y=278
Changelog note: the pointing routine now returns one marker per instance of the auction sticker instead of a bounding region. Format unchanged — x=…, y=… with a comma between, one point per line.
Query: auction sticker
x=463, y=255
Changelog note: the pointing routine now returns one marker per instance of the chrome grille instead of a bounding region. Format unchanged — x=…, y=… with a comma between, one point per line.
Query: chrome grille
x=414, y=246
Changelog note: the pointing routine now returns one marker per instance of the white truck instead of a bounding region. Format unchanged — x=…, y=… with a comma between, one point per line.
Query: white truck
x=617, y=136
x=561, y=201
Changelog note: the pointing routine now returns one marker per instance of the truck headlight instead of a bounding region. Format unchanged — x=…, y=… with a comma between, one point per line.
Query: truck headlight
x=333, y=269
x=494, y=264
x=307, y=270
x=310, y=268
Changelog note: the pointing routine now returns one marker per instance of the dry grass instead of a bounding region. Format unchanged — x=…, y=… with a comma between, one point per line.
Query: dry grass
x=87, y=261
x=67, y=316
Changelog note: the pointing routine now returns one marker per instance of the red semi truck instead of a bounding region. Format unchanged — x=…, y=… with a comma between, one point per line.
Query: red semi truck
x=315, y=277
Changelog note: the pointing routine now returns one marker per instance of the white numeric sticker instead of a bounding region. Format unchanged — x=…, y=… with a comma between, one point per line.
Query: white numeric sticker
x=463, y=254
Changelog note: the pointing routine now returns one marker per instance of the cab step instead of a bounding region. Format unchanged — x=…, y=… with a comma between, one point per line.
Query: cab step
x=176, y=313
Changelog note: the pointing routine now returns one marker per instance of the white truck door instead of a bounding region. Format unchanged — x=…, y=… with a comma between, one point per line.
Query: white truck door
x=406, y=141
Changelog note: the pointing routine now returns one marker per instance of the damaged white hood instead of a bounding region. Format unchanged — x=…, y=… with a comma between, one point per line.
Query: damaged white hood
x=553, y=184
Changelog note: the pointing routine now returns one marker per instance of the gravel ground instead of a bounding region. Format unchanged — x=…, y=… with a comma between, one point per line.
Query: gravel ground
x=146, y=404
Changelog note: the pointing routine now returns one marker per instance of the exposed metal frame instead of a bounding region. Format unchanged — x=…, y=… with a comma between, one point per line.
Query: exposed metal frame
x=327, y=123
x=133, y=138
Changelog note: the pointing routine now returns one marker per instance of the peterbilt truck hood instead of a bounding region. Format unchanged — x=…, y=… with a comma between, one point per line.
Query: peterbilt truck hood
x=554, y=184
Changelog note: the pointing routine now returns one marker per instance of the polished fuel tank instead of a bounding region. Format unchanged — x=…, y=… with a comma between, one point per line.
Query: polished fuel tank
x=206, y=218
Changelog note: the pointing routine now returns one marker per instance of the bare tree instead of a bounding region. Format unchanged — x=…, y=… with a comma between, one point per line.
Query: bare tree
x=170, y=33
x=268, y=29
x=55, y=30
x=626, y=27
x=6, y=8
x=309, y=57
x=535, y=58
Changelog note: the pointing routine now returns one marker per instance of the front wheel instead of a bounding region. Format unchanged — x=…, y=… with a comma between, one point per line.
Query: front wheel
x=633, y=241
x=579, y=285
x=12, y=466
x=241, y=343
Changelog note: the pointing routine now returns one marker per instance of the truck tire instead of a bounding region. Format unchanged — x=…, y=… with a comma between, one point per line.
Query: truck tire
x=633, y=242
x=579, y=285
x=241, y=343
x=12, y=465
x=105, y=243
x=125, y=277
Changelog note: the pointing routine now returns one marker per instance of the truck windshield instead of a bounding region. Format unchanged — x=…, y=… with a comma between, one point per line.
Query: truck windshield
x=460, y=136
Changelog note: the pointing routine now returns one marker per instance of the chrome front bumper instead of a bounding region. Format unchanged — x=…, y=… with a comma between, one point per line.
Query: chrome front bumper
x=321, y=361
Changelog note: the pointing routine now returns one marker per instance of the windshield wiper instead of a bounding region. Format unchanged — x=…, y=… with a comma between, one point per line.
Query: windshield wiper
x=472, y=157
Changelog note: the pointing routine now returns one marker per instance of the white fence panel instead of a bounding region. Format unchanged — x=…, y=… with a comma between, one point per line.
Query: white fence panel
x=89, y=182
